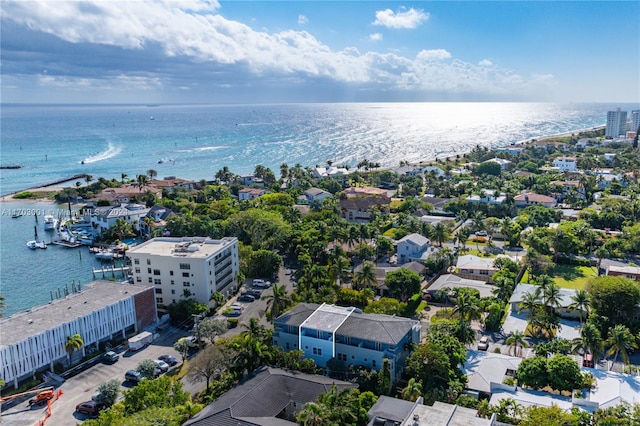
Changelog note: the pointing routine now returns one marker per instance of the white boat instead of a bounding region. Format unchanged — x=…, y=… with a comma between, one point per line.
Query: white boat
x=33, y=244
x=105, y=255
x=50, y=223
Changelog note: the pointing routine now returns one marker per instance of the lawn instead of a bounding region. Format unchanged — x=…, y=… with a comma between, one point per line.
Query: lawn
x=569, y=276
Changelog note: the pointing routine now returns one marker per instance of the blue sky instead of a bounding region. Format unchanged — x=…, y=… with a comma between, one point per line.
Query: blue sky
x=183, y=51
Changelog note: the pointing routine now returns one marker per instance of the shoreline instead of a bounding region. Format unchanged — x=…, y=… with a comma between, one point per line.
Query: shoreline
x=58, y=185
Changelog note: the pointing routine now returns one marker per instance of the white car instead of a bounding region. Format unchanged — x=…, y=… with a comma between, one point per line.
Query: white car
x=162, y=366
x=483, y=344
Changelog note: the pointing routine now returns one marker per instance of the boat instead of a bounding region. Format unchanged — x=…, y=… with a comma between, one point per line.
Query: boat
x=50, y=223
x=105, y=255
x=33, y=244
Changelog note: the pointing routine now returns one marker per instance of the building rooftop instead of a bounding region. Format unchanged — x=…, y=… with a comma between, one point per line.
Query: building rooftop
x=632, y=270
x=186, y=247
x=454, y=281
x=92, y=297
x=327, y=318
x=442, y=414
x=484, y=368
x=565, y=300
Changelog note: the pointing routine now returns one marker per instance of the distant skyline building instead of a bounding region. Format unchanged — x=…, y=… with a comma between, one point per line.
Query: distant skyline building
x=635, y=120
x=616, y=123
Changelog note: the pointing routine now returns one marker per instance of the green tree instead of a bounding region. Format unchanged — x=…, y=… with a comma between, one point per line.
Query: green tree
x=312, y=414
x=73, y=344
x=152, y=174
x=563, y=373
x=467, y=308
x=366, y=276
x=147, y=369
x=533, y=372
x=412, y=391
x=589, y=342
x=619, y=341
x=277, y=301
x=403, y=283
x=490, y=168
x=548, y=416
x=516, y=341
x=210, y=328
x=614, y=298
x=440, y=233
x=182, y=346
x=162, y=392
x=109, y=392
x=581, y=301
x=387, y=306
x=384, y=378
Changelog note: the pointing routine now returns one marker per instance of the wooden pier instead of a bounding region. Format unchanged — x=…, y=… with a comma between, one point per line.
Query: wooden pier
x=66, y=244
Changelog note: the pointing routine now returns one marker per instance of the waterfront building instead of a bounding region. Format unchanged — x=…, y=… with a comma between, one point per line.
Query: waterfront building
x=188, y=267
x=103, y=218
x=324, y=332
x=35, y=339
x=635, y=121
x=566, y=164
x=616, y=123
x=250, y=193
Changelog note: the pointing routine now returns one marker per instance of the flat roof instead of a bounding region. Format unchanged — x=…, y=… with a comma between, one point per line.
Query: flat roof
x=327, y=318
x=187, y=247
x=92, y=297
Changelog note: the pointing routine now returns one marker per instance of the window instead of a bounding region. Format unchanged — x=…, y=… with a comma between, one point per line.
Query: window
x=148, y=261
x=373, y=363
x=150, y=280
x=138, y=279
x=158, y=290
x=137, y=270
x=173, y=291
x=186, y=284
x=136, y=261
x=185, y=266
x=378, y=346
x=185, y=275
x=156, y=272
x=148, y=270
x=484, y=272
x=287, y=345
x=157, y=281
x=317, y=351
x=159, y=300
x=171, y=273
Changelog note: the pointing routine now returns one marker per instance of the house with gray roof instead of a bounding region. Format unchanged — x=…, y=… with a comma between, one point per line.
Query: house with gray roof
x=475, y=267
x=450, y=281
x=268, y=397
x=325, y=331
x=564, y=308
x=412, y=247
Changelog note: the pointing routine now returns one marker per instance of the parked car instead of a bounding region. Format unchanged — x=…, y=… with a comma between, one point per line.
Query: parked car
x=133, y=376
x=261, y=283
x=255, y=293
x=89, y=407
x=171, y=360
x=483, y=344
x=162, y=366
x=110, y=357
x=246, y=298
x=481, y=234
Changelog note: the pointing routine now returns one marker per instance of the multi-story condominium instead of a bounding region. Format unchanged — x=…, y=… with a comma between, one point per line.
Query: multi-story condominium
x=616, y=123
x=188, y=267
x=566, y=164
x=35, y=339
x=324, y=332
x=635, y=120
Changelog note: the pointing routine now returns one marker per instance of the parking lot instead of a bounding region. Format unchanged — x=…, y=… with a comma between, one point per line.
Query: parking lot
x=81, y=387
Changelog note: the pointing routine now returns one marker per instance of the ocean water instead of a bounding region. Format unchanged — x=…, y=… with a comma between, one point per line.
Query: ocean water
x=52, y=142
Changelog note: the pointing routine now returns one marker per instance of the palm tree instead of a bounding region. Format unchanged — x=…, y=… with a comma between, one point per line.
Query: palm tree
x=551, y=296
x=240, y=277
x=468, y=309
x=142, y=180
x=619, y=341
x=590, y=341
x=516, y=342
x=73, y=344
x=123, y=176
x=277, y=301
x=339, y=269
x=440, y=233
x=152, y=174
x=312, y=414
x=530, y=302
x=412, y=391
x=366, y=276
x=463, y=235
x=582, y=302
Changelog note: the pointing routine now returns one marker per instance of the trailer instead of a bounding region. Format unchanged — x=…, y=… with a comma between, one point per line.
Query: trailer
x=140, y=341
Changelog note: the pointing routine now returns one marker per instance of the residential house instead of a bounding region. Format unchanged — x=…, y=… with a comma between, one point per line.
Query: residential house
x=155, y=221
x=510, y=149
x=565, y=300
x=269, y=396
x=504, y=164
x=627, y=271
x=551, y=145
x=411, y=247
x=566, y=164
x=251, y=180
x=476, y=268
x=453, y=282
x=382, y=271
x=366, y=191
x=569, y=186
x=388, y=411
x=434, y=220
x=104, y=218
x=324, y=332
x=532, y=199
x=360, y=210
x=437, y=171
x=128, y=193
x=338, y=173
x=314, y=196
x=487, y=196
x=487, y=371
x=250, y=193
x=170, y=183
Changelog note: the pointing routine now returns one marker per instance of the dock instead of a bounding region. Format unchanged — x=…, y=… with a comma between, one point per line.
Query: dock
x=66, y=244
x=112, y=270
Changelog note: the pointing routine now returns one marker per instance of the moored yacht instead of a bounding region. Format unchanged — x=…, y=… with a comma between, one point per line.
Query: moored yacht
x=50, y=223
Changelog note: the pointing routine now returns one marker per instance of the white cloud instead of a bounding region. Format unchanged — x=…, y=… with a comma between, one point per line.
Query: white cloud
x=194, y=35
x=406, y=19
x=375, y=37
x=485, y=63
x=302, y=19
x=433, y=55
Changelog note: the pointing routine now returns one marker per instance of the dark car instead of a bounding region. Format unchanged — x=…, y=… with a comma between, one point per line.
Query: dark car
x=168, y=359
x=89, y=407
x=246, y=298
x=133, y=376
x=255, y=293
x=110, y=357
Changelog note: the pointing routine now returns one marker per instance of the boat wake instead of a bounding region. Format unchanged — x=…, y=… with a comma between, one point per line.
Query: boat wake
x=111, y=151
x=201, y=149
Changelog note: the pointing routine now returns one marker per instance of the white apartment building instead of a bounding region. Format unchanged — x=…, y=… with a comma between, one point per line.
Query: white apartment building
x=187, y=267
x=566, y=164
x=635, y=120
x=616, y=123
x=103, y=218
